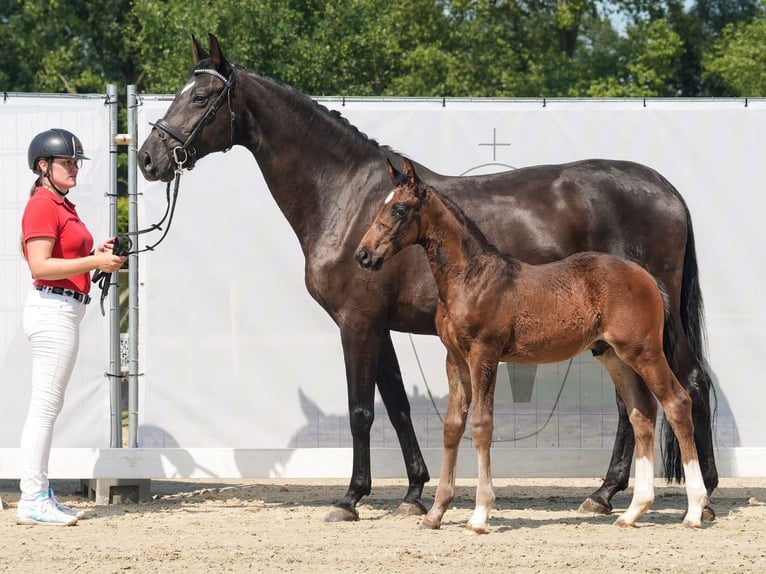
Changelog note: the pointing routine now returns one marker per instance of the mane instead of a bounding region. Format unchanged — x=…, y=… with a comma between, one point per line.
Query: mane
x=301, y=102
x=473, y=229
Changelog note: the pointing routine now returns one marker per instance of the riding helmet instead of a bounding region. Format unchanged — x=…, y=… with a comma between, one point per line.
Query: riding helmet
x=55, y=142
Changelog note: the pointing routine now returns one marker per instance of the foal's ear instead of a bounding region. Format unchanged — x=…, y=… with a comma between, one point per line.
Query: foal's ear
x=219, y=60
x=198, y=51
x=409, y=171
x=392, y=173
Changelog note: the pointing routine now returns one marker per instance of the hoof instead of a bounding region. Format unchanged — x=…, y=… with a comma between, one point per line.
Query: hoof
x=342, y=513
x=410, y=509
x=476, y=529
x=691, y=524
x=708, y=513
x=593, y=506
x=624, y=523
x=429, y=525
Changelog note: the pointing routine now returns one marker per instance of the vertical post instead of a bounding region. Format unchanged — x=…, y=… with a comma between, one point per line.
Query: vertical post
x=133, y=270
x=115, y=390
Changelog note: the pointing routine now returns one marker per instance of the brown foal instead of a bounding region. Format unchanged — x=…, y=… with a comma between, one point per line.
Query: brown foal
x=495, y=308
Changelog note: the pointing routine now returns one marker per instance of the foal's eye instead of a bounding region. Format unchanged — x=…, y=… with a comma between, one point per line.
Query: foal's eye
x=399, y=210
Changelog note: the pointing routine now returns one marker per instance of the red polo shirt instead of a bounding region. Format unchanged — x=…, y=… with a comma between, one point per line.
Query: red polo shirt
x=49, y=215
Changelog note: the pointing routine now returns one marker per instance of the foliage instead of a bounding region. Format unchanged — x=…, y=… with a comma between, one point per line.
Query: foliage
x=500, y=48
x=738, y=60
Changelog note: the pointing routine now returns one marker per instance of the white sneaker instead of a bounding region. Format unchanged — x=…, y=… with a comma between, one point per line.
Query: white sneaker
x=68, y=510
x=42, y=510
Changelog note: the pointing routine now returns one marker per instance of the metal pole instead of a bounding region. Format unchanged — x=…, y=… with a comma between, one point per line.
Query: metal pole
x=115, y=391
x=133, y=270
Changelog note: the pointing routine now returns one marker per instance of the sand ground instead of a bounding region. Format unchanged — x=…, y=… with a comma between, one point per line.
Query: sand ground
x=278, y=526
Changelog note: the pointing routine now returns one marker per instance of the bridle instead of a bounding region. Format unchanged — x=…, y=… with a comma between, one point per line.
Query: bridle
x=184, y=157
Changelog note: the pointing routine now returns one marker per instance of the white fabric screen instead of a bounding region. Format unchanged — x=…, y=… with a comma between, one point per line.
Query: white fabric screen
x=84, y=421
x=236, y=354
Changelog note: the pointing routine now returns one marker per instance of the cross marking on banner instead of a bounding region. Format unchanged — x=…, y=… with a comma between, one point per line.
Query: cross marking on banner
x=494, y=144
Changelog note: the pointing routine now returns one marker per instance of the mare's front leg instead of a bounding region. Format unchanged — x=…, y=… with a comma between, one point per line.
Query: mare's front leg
x=361, y=347
x=394, y=397
x=618, y=473
x=483, y=380
x=454, y=426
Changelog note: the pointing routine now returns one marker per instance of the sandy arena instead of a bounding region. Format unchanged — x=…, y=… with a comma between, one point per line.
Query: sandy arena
x=277, y=526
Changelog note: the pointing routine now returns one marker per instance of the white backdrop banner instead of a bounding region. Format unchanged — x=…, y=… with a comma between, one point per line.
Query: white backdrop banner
x=84, y=421
x=234, y=352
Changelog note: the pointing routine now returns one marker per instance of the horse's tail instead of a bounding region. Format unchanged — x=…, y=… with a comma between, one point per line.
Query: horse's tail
x=699, y=383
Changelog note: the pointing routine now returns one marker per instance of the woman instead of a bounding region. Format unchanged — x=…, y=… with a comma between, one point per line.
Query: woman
x=59, y=251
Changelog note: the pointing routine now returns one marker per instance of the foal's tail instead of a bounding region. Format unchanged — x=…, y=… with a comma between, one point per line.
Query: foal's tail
x=698, y=383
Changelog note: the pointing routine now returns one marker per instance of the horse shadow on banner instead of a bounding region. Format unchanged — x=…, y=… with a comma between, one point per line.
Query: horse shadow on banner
x=570, y=404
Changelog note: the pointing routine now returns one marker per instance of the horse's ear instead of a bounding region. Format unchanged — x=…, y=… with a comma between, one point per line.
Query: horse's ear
x=198, y=51
x=219, y=60
x=409, y=171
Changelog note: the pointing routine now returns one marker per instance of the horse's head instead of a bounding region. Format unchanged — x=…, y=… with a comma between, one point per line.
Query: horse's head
x=397, y=223
x=192, y=128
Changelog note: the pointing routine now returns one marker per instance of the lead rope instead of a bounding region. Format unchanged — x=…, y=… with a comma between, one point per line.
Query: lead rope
x=123, y=243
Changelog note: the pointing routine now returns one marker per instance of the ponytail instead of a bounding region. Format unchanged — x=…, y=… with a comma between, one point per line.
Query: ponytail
x=38, y=182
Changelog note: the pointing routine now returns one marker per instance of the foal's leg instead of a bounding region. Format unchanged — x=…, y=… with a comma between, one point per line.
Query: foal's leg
x=454, y=426
x=697, y=382
x=678, y=410
x=483, y=379
x=642, y=412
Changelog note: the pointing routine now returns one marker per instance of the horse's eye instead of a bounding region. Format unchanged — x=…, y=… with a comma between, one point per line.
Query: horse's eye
x=399, y=210
x=199, y=99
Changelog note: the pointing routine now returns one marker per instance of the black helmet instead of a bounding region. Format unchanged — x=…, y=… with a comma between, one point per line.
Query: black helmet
x=55, y=142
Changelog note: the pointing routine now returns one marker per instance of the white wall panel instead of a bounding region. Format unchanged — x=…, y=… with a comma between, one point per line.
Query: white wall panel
x=84, y=421
x=236, y=354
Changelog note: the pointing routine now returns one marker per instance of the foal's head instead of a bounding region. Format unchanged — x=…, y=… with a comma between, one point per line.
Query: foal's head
x=397, y=223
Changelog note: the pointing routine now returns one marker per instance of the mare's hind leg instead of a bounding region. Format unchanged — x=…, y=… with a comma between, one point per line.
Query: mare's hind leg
x=454, y=426
x=642, y=412
x=618, y=473
x=392, y=392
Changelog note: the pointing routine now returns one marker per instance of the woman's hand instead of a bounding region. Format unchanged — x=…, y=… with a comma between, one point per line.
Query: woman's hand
x=106, y=260
x=106, y=246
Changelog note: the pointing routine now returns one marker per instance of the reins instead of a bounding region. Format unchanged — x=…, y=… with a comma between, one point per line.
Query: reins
x=184, y=157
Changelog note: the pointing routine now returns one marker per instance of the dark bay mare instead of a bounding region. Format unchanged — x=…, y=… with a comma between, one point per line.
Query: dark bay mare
x=328, y=180
x=493, y=307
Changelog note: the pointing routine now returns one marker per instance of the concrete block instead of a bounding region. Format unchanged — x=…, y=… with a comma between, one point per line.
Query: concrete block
x=107, y=491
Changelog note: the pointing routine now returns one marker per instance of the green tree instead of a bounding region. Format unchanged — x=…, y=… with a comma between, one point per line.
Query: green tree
x=738, y=60
x=505, y=48
x=653, y=52
x=57, y=46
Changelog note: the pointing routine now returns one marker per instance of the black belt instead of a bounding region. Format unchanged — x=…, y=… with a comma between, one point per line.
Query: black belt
x=76, y=295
